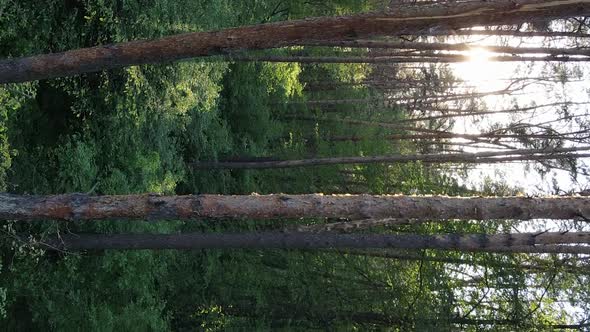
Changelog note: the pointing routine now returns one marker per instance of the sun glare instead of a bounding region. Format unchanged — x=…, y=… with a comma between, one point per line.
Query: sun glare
x=479, y=55
x=480, y=71
x=478, y=67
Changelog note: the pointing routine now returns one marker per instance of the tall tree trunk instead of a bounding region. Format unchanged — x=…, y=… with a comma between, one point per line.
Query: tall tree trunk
x=467, y=157
x=451, y=47
x=403, y=21
x=467, y=242
x=446, y=135
x=296, y=313
x=425, y=99
x=540, y=267
x=425, y=82
x=456, y=113
x=78, y=207
x=437, y=134
x=509, y=33
x=409, y=58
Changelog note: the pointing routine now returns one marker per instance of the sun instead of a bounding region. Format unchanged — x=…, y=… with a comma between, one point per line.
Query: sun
x=479, y=56
x=478, y=68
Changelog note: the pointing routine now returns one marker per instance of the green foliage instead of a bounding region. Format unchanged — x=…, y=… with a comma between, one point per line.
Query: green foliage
x=88, y=301
x=281, y=79
x=245, y=103
x=78, y=171
x=9, y=105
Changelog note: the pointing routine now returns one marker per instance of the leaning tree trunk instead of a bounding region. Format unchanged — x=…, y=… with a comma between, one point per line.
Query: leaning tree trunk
x=402, y=21
x=77, y=207
x=521, y=242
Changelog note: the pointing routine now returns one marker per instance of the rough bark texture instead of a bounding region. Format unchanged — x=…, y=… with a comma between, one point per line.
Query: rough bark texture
x=151, y=207
x=403, y=21
x=468, y=242
x=478, y=157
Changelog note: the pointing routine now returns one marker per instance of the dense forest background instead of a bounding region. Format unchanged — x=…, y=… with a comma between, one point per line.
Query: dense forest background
x=138, y=129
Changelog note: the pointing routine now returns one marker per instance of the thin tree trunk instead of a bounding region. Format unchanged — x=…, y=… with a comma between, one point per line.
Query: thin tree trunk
x=419, y=58
x=468, y=242
x=546, y=249
x=425, y=99
x=389, y=87
x=465, y=113
x=466, y=157
x=427, y=83
x=510, y=33
x=78, y=207
x=429, y=133
x=319, y=318
x=549, y=266
x=446, y=135
x=451, y=47
x=404, y=21
x=351, y=226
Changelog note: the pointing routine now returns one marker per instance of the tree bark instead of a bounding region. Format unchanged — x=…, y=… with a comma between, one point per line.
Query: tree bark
x=404, y=21
x=78, y=207
x=468, y=242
